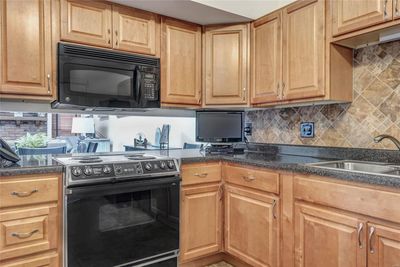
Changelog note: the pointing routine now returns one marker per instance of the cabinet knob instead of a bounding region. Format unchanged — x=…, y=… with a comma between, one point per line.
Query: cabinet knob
x=48, y=83
x=370, y=236
x=24, y=194
x=24, y=235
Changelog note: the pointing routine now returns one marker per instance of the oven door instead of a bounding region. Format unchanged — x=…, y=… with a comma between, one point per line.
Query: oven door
x=89, y=82
x=122, y=224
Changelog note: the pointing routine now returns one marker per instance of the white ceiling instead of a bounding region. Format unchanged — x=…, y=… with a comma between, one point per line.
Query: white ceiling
x=206, y=12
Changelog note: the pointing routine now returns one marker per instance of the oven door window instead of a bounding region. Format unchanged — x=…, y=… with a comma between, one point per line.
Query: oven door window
x=89, y=80
x=123, y=227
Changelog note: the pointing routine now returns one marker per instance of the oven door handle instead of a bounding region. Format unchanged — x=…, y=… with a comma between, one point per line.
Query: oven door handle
x=122, y=187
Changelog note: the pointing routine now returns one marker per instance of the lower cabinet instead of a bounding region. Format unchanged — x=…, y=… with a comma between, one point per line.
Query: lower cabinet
x=201, y=221
x=48, y=260
x=328, y=238
x=383, y=246
x=251, y=226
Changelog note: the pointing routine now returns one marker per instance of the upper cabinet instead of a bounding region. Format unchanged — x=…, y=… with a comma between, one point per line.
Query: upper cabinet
x=351, y=15
x=226, y=67
x=266, y=59
x=86, y=22
x=113, y=26
x=136, y=30
x=180, y=63
x=304, y=50
x=26, y=49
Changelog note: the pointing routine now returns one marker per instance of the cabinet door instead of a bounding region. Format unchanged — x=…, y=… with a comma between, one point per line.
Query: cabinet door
x=327, y=238
x=266, y=54
x=303, y=50
x=251, y=226
x=351, y=15
x=180, y=62
x=226, y=65
x=45, y=260
x=396, y=9
x=384, y=246
x=201, y=221
x=136, y=30
x=86, y=22
x=26, y=47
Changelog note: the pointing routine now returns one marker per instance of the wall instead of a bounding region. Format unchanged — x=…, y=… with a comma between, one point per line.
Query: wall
x=122, y=130
x=375, y=108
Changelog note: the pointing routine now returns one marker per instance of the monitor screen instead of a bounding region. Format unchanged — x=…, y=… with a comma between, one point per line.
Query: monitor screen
x=219, y=126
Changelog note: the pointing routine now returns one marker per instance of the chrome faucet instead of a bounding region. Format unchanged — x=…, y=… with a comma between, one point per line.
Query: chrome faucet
x=379, y=138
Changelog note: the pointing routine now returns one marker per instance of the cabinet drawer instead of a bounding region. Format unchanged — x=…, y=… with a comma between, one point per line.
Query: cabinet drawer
x=16, y=192
x=201, y=173
x=47, y=260
x=252, y=177
x=27, y=231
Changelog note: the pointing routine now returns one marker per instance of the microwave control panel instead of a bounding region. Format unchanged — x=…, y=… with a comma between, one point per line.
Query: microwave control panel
x=150, y=86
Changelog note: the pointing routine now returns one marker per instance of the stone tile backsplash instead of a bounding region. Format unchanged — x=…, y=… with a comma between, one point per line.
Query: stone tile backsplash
x=375, y=108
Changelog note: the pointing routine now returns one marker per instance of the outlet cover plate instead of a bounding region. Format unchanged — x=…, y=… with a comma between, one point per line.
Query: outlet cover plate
x=307, y=130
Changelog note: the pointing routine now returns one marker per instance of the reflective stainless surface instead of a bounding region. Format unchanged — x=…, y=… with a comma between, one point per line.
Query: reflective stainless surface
x=361, y=167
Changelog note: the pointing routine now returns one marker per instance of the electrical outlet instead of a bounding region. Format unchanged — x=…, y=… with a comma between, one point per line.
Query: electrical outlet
x=307, y=130
x=248, y=129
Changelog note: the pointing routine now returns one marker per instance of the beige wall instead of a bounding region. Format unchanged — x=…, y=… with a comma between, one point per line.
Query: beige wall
x=375, y=109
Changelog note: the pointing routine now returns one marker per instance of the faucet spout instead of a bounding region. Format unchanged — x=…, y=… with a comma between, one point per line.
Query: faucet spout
x=379, y=138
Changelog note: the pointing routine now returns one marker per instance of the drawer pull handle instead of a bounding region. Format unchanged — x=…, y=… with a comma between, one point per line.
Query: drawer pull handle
x=24, y=194
x=24, y=235
x=359, y=231
x=371, y=234
x=201, y=175
x=274, y=209
x=248, y=178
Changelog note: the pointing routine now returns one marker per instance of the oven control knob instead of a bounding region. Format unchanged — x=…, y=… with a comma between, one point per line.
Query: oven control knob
x=118, y=170
x=76, y=171
x=163, y=165
x=171, y=164
x=148, y=166
x=107, y=169
x=88, y=171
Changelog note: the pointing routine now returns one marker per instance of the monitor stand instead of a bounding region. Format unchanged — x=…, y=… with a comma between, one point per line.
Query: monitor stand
x=223, y=149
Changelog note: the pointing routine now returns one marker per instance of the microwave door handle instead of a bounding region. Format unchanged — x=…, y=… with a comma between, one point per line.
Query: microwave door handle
x=138, y=84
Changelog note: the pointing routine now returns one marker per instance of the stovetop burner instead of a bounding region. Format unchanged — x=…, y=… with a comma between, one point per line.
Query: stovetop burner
x=139, y=157
x=86, y=158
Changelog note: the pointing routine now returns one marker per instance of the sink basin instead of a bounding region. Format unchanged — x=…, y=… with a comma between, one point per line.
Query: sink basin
x=360, y=166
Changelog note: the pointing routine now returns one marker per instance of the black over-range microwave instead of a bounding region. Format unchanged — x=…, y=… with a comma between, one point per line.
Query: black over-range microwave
x=99, y=79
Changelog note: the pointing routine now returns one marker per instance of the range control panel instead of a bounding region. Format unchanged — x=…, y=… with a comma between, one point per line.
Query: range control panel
x=128, y=169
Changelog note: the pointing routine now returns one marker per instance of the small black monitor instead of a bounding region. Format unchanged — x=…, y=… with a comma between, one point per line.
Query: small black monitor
x=219, y=126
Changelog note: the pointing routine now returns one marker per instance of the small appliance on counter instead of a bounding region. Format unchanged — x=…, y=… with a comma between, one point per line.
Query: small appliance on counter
x=121, y=210
x=222, y=129
x=98, y=79
x=7, y=155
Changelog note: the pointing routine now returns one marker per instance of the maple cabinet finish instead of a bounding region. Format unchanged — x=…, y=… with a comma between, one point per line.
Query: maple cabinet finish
x=351, y=15
x=226, y=67
x=194, y=174
x=304, y=50
x=201, y=221
x=180, y=62
x=26, y=48
x=266, y=59
x=328, y=238
x=135, y=30
x=383, y=246
x=86, y=22
x=30, y=220
x=251, y=226
x=103, y=24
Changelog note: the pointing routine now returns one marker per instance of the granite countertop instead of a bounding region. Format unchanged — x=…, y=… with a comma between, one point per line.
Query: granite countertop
x=33, y=164
x=284, y=162
x=284, y=158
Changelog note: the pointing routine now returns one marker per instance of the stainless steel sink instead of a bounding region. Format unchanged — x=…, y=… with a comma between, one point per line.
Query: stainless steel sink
x=361, y=167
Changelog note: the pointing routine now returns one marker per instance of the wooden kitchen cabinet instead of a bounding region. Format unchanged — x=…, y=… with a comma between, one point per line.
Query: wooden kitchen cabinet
x=107, y=25
x=86, y=22
x=201, y=221
x=383, y=246
x=351, y=15
x=251, y=226
x=328, y=238
x=266, y=59
x=26, y=49
x=136, y=30
x=180, y=63
x=304, y=50
x=226, y=66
